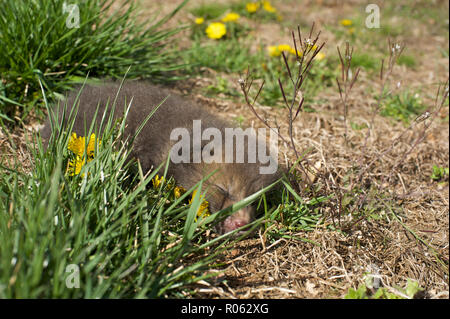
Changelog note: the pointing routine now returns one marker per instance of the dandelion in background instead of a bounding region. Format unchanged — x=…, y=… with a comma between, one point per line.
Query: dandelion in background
x=293, y=52
x=346, y=22
x=268, y=7
x=199, y=20
x=320, y=56
x=252, y=7
x=273, y=50
x=216, y=30
x=231, y=17
x=284, y=47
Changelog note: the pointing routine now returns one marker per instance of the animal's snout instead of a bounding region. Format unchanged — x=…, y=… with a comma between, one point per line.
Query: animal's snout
x=232, y=223
x=237, y=220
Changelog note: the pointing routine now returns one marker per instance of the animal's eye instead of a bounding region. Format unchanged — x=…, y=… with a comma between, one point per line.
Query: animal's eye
x=222, y=191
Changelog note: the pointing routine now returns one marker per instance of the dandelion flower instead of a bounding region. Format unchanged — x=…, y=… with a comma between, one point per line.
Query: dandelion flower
x=320, y=56
x=74, y=166
x=216, y=30
x=268, y=6
x=203, y=210
x=76, y=144
x=292, y=51
x=157, y=181
x=91, y=146
x=199, y=20
x=178, y=191
x=346, y=22
x=273, y=50
x=252, y=7
x=231, y=17
x=284, y=47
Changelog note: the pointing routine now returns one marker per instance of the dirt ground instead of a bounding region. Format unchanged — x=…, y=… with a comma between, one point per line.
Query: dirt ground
x=391, y=249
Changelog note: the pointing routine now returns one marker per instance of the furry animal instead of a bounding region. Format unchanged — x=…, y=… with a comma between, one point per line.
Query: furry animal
x=230, y=184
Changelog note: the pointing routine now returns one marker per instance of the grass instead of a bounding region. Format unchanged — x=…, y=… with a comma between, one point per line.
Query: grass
x=403, y=106
x=228, y=56
x=366, y=61
x=407, y=60
x=367, y=291
x=51, y=49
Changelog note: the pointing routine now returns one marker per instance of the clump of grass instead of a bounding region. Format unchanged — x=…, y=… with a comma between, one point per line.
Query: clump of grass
x=209, y=11
x=46, y=41
x=439, y=173
x=403, y=107
x=407, y=60
x=368, y=291
x=365, y=61
x=229, y=56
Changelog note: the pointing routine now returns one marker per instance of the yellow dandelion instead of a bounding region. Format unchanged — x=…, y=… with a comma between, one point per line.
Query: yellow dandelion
x=268, y=6
x=157, y=181
x=76, y=144
x=320, y=56
x=252, y=7
x=203, y=210
x=292, y=51
x=346, y=22
x=284, y=47
x=199, y=20
x=91, y=146
x=178, y=191
x=351, y=30
x=231, y=17
x=216, y=30
x=74, y=166
x=273, y=50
